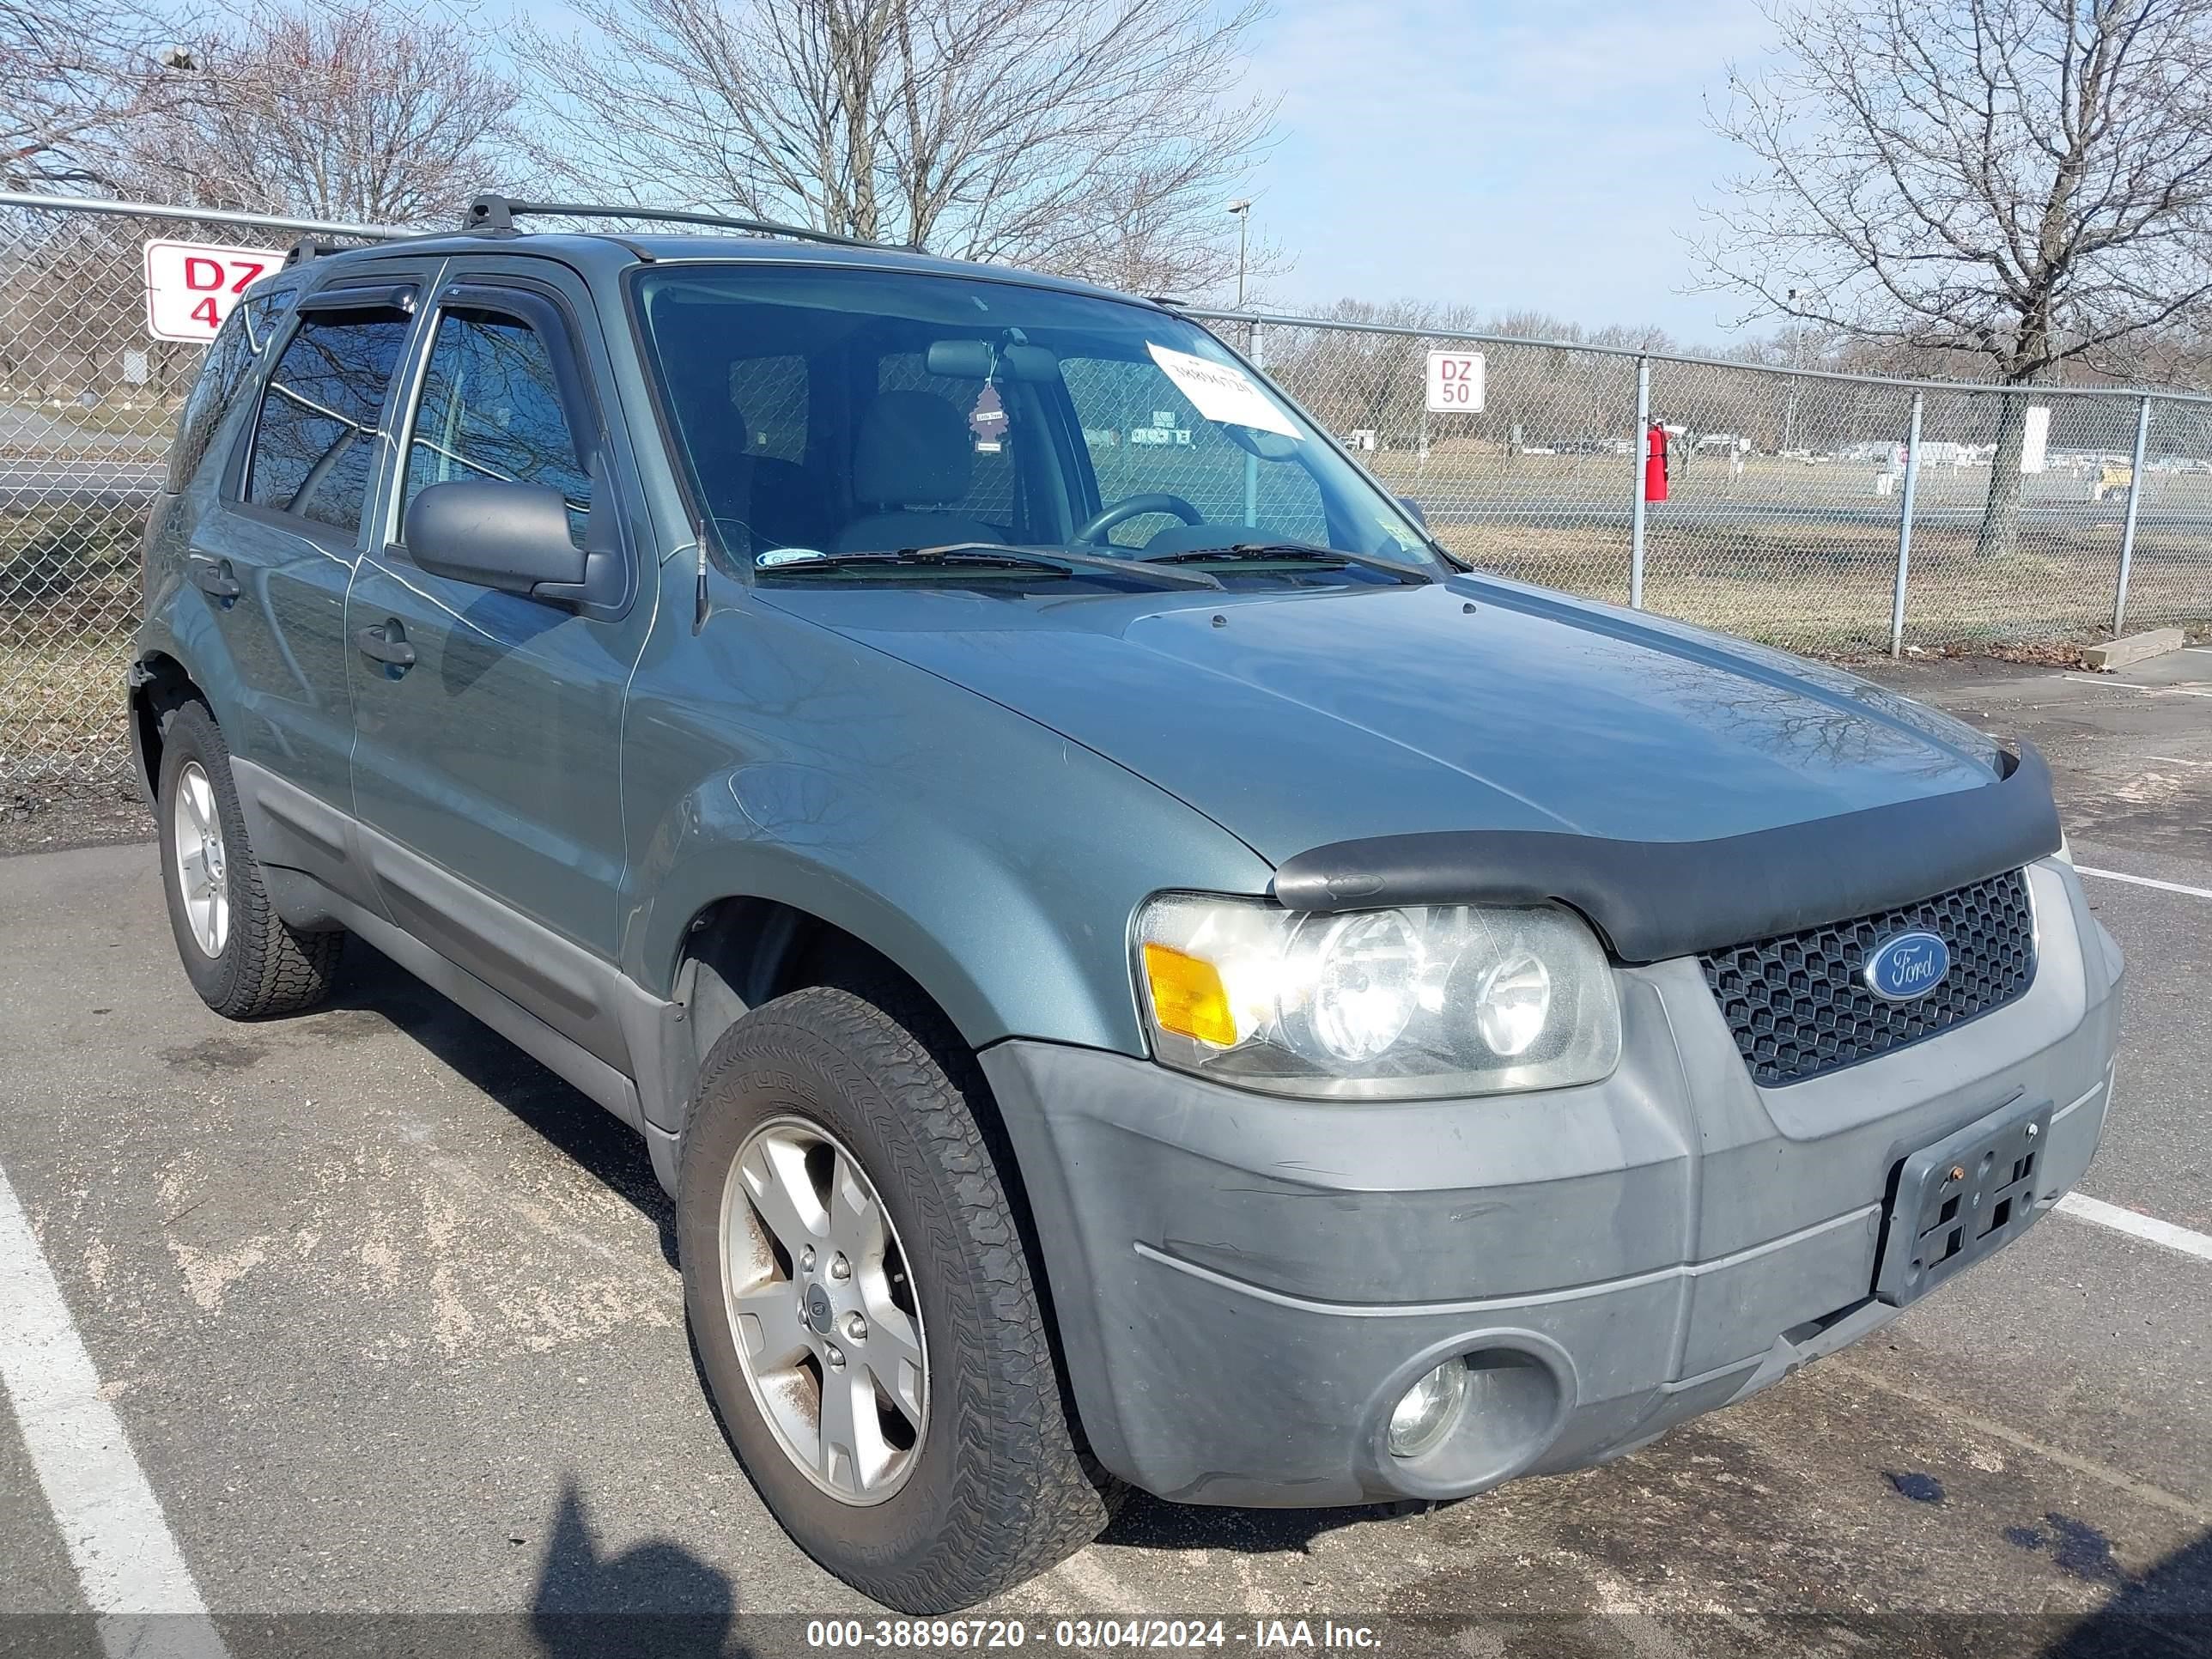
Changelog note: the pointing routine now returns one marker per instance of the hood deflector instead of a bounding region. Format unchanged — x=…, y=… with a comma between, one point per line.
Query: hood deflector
x=1651, y=900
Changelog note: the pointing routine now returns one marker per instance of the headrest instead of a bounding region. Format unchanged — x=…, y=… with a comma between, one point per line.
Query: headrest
x=913, y=449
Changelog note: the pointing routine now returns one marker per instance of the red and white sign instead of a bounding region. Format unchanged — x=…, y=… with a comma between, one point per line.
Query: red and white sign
x=191, y=286
x=1456, y=382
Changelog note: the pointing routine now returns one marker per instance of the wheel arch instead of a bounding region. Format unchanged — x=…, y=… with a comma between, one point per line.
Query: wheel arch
x=159, y=682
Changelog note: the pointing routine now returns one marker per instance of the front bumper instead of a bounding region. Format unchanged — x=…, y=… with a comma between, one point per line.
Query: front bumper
x=1244, y=1285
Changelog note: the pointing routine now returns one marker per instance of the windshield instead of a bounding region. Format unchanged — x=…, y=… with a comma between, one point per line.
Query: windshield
x=851, y=412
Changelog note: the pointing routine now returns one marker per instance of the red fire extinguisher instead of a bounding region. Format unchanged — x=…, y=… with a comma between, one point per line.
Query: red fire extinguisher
x=1654, y=463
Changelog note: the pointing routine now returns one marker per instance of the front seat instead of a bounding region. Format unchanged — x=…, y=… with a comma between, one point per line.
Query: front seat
x=913, y=454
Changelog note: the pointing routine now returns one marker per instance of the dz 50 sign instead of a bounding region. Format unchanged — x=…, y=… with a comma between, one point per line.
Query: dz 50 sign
x=191, y=287
x=1454, y=383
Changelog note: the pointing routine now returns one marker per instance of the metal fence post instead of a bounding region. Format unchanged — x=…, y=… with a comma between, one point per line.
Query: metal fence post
x=2128, y=523
x=1258, y=351
x=1904, y=528
x=1638, y=447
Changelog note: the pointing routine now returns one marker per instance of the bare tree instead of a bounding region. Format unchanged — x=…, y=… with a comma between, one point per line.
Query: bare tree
x=362, y=112
x=1080, y=136
x=75, y=77
x=2028, y=182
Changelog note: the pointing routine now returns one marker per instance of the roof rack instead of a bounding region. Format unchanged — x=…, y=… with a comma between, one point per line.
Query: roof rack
x=498, y=213
x=314, y=247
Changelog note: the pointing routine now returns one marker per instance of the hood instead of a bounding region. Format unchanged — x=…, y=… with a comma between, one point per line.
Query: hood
x=1295, y=718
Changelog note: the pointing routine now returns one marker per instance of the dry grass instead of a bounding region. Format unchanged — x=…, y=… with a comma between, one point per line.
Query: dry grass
x=1827, y=589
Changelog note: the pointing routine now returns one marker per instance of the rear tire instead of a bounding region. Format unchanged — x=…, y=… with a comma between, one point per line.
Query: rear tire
x=240, y=955
x=991, y=1489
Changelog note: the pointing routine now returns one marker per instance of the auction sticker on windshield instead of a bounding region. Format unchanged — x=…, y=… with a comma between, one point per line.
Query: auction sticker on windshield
x=191, y=287
x=1221, y=392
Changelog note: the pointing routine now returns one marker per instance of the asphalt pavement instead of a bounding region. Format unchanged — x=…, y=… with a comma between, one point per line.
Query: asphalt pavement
x=384, y=1322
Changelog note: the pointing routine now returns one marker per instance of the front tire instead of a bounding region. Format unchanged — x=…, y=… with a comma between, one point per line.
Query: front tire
x=240, y=955
x=838, y=1196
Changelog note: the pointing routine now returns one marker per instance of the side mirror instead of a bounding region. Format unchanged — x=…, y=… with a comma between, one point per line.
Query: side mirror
x=1413, y=511
x=512, y=536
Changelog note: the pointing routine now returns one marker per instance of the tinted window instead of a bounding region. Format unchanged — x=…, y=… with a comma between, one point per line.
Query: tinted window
x=491, y=409
x=315, y=446
x=223, y=375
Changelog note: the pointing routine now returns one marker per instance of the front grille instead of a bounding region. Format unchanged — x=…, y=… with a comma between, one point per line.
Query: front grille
x=1799, y=1008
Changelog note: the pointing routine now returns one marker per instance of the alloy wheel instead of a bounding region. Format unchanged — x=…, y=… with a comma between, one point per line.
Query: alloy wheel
x=196, y=826
x=823, y=1310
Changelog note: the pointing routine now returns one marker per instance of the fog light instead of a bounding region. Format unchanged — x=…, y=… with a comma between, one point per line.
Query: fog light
x=1425, y=1412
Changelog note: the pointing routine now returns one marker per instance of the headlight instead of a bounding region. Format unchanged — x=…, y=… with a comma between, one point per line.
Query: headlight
x=1449, y=1000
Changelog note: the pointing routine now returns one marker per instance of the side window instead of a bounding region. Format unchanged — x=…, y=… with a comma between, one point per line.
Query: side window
x=314, y=447
x=990, y=495
x=491, y=409
x=1143, y=435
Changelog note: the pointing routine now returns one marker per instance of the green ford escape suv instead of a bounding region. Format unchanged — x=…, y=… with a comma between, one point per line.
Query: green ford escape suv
x=1136, y=966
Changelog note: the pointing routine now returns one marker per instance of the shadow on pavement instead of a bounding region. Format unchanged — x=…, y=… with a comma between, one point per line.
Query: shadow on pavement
x=592, y=1137
x=655, y=1599
x=2166, y=1613
x=1148, y=1522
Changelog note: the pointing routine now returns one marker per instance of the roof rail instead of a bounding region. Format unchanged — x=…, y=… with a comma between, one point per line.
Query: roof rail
x=498, y=213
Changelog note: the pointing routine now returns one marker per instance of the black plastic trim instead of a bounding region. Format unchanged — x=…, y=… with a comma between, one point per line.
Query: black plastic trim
x=348, y=296
x=1650, y=900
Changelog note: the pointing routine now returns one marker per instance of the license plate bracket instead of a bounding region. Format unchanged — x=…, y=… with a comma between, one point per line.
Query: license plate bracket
x=1961, y=1197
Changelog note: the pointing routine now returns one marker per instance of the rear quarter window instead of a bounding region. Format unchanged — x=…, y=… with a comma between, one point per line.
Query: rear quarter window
x=224, y=373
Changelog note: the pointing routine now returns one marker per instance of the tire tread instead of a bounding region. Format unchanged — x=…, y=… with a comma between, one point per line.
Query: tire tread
x=277, y=971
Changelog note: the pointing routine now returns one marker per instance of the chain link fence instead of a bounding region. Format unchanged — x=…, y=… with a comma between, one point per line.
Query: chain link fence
x=89, y=400
x=1798, y=508
x=1785, y=515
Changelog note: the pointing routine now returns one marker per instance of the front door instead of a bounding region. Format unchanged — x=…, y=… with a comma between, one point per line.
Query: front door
x=488, y=725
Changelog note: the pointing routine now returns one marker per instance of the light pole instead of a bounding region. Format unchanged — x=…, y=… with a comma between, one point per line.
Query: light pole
x=1241, y=207
x=1796, y=361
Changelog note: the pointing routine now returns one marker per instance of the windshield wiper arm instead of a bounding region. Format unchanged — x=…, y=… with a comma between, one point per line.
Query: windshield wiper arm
x=1299, y=552
x=1039, y=554
x=979, y=555
x=788, y=562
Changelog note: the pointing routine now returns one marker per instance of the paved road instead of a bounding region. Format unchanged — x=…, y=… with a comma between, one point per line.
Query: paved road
x=102, y=483
x=386, y=1317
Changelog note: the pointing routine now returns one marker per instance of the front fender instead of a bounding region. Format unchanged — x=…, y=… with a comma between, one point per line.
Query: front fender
x=991, y=859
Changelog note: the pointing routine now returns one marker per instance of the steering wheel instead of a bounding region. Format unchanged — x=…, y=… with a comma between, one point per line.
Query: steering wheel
x=1135, y=507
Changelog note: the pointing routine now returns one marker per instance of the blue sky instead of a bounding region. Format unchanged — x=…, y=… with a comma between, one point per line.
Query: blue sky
x=1503, y=154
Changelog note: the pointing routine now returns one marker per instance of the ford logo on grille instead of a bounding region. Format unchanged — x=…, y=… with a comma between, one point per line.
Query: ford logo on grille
x=1907, y=965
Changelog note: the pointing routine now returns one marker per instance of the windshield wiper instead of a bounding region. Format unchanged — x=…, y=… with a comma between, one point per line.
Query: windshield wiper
x=982, y=555
x=1296, y=553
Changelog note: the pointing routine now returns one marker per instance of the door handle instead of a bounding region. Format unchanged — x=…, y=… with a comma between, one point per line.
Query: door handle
x=385, y=642
x=213, y=576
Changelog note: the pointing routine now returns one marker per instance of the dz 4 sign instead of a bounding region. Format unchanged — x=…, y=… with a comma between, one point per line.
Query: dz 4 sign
x=191, y=287
x=1454, y=383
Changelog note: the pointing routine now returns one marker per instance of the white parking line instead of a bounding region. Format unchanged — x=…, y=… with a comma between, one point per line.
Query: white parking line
x=2147, y=690
x=2144, y=881
x=2136, y=1225
x=127, y=1562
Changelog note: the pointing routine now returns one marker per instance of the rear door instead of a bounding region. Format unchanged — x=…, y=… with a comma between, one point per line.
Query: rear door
x=273, y=558
x=486, y=766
